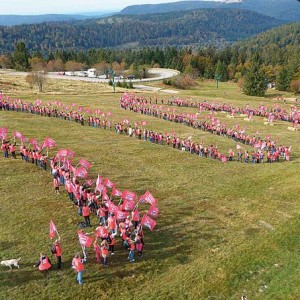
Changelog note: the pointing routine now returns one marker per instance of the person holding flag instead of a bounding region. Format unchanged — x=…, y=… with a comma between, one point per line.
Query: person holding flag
x=77, y=264
x=56, y=250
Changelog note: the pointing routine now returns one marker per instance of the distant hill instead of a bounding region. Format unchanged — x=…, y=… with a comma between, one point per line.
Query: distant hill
x=199, y=27
x=11, y=20
x=280, y=45
x=280, y=9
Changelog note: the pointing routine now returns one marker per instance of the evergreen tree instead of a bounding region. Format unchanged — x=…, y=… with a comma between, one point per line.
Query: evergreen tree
x=220, y=71
x=255, y=81
x=283, y=80
x=21, y=57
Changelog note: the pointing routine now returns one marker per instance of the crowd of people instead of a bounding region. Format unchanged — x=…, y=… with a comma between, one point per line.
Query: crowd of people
x=139, y=130
x=273, y=113
x=262, y=146
x=113, y=214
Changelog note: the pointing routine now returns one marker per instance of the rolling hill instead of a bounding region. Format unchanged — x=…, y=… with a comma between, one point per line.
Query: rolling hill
x=280, y=9
x=198, y=27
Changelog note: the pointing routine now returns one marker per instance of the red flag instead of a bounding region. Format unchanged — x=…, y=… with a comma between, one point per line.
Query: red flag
x=108, y=183
x=116, y=193
x=148, y=198
x=85, y=163
x=81, y=172
x=99, y=180
x=112, y=208
x=53, y=230
x=105, y=197
x=48, y=143
x=75, y=193
x=101, y=188
x=101, y=232
x=66, y=153
x=135, y=215
x=153, y=211
x=148, y=222
x=130, y=196
x=120, y=215
x=128, y=205
x=84, y=239
x=257, y=145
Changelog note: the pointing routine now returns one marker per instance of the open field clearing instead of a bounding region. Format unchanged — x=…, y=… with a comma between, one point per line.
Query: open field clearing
x=221, y=229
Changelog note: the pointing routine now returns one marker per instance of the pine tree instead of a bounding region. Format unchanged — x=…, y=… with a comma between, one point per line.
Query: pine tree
x=21, y=57
x=255, y=81
x=220, y=71
x=283, y=80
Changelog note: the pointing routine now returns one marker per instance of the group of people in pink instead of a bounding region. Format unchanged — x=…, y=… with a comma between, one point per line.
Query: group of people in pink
x=141, y=105
x=114, y=214
x=273, y=113
x=209, y=123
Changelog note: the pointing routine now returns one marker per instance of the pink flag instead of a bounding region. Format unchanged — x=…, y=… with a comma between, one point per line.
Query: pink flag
x=99, y=180
x=116, y=193
x=63, y=152
x=3, y=133
x=85, y=163
x=84, y=239
x=38, y=102
x=48, y=143
x=128, y=205
x=224, y=159
x=238, y=147
x=120, y=215
x=148, y=198
x=81, y=172
x=105, y=197
x=108, y=183
x=135, y=215
x=101, y=188
x=144, y=123
x=148, y=222
x=18, y=135
x=153, y=211
x=112, y=208
x=130, y=196
x=53, y=230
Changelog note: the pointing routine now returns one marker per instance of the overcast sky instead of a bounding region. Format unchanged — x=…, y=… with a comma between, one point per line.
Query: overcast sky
x=35, y=7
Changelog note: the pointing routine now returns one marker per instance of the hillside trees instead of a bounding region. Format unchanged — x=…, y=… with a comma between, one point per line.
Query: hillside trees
x=255, y=80
x=21, y=57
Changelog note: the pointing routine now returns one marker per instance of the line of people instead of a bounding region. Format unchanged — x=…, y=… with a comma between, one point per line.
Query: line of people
x=210, y=124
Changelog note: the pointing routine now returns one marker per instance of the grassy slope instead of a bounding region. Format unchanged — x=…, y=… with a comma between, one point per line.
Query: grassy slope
x=210, y=241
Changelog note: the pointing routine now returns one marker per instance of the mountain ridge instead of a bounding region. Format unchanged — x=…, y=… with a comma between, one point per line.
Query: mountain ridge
x=198, y=27
x=285, y=10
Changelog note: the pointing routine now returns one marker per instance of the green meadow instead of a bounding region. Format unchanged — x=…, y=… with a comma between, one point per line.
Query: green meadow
x=222, y=228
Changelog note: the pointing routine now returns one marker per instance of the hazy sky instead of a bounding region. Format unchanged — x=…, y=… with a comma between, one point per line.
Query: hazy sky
x=34, y=7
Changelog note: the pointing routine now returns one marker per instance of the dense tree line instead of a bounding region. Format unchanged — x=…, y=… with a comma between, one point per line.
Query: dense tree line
x=197, y=28
x=278, y=62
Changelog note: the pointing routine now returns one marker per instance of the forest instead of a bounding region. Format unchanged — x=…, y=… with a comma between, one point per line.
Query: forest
x=196, y=28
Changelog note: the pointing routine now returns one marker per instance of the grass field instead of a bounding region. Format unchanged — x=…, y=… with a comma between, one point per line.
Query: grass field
x=222, y=228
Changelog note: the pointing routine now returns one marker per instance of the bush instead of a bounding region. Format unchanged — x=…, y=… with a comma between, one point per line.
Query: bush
x=295, y=86
x=183, y=82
